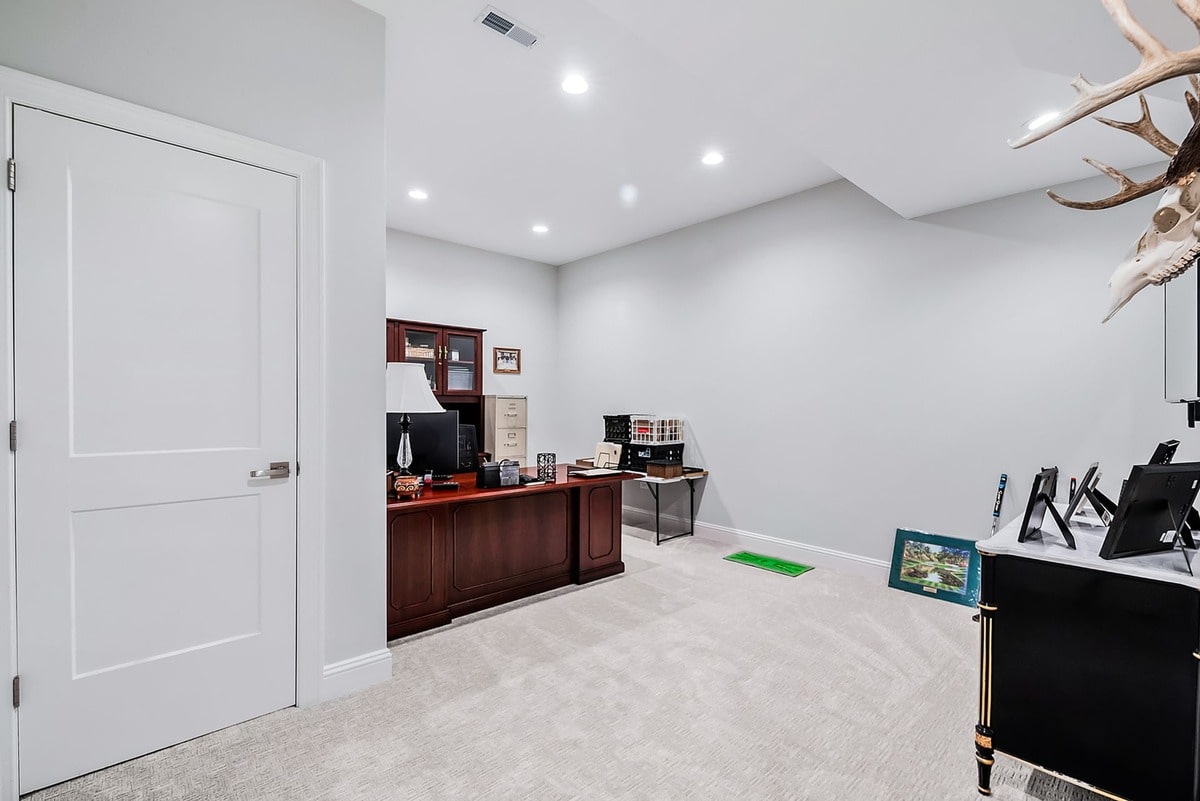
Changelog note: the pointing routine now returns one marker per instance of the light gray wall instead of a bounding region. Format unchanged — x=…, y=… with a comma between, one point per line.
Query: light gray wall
x=514, y=299
x=306, y=75
x=844, y=372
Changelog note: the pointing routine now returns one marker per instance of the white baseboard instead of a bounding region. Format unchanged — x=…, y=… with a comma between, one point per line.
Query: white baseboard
x=357, y=673
x=814, y=555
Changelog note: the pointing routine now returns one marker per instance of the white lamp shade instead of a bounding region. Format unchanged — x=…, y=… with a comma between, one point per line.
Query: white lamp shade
x=408, y=389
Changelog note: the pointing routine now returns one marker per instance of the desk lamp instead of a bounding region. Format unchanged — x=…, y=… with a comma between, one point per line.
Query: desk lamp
x=408, y=393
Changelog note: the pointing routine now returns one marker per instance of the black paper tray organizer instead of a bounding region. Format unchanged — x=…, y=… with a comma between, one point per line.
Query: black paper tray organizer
x=616, y=428
x=634, y=457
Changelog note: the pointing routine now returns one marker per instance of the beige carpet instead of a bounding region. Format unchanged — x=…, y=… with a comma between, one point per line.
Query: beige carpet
x=686, y=678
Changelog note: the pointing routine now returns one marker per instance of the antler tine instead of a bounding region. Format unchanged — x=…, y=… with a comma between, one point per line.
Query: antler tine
x=1158, y=64
x=1130, y=190
x=1193, y=103
x=1191, y=8
x=1146, y=43
x=1144, y=128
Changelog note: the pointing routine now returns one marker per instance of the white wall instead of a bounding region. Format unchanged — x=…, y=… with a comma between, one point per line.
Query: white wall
x=844, y=372
x=306, y=75
x=514, y=299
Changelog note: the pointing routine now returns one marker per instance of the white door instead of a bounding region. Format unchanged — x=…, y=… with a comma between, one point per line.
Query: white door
x=155, y=352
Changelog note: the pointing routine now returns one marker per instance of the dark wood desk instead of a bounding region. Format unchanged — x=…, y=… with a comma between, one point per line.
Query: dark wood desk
x=453, y=552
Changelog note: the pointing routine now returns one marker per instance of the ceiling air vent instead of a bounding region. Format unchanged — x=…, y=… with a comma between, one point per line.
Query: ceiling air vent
x=506, y=27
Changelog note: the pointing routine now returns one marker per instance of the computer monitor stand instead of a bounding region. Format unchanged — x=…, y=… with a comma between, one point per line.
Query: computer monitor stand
x=1063, y=528
x=1104, y=507
x=1191, y=524
x=1185, y=543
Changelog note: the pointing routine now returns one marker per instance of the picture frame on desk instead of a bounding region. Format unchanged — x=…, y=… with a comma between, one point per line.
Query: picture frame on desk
x=946, y=568
x=506, y=360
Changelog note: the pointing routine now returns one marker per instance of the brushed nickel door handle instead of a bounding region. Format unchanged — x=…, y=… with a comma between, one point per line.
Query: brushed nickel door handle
x=277, y=470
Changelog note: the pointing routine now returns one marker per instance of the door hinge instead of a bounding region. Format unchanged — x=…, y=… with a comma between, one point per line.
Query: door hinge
x=12, y=436
x=16, y=692
x=12, y=175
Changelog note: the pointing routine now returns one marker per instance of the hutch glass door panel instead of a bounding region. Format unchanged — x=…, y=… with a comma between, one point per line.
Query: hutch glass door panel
x=421, y=345
x=462, y=363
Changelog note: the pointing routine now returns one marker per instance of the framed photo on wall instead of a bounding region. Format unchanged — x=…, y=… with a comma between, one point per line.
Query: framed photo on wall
x=930, y=564
x=506, y=360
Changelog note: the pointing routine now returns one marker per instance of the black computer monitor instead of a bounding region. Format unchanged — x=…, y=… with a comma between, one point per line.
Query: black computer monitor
x=1042, y=501
x=1039, y=498
x=433, y=439
x=1165, y=452
x=1153, y=508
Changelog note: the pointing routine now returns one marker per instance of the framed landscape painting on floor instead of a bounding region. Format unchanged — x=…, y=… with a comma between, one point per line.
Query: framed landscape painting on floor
x=930, y=564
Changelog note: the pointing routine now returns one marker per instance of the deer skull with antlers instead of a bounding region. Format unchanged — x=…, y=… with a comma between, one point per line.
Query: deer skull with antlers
x=1172, y=241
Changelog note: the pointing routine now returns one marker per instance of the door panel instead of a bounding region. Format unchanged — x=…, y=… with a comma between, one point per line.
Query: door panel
x=195, y=285
x=155, y=353
x=199, y=541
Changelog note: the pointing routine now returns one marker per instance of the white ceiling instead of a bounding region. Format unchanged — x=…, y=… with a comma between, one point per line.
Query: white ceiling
x=912, y=101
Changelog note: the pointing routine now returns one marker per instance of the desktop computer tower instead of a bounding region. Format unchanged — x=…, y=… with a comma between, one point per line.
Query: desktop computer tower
x=468, y=449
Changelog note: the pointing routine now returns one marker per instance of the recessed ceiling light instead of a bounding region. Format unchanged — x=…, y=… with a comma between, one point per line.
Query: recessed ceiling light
x=712, y=157
x=575, y=85
x=1043, y=120
x=418, y=194
x=541, y=229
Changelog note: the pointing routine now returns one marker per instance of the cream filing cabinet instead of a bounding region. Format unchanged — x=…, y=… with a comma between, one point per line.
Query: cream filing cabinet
x=504, y=422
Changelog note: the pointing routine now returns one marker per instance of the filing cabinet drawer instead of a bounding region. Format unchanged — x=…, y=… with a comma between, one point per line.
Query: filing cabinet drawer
x=510, y=442
x=510, y=412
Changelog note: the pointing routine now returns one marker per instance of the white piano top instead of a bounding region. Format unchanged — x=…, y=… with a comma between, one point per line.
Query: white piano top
x=1051, y=547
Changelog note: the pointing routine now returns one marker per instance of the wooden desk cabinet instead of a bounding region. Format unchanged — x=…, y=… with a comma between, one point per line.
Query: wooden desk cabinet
x=1089, y=668
x=416, y=568
x=453, y=362
x=452, y=553
x=452, y=357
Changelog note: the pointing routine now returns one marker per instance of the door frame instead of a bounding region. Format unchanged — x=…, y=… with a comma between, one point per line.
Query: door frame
x=21, y=89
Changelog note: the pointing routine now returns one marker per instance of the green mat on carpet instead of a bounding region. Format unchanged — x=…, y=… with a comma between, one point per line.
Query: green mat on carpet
x=783, y=566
